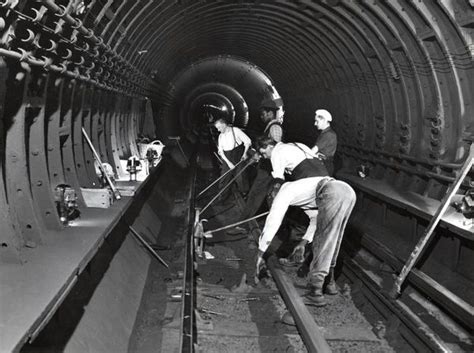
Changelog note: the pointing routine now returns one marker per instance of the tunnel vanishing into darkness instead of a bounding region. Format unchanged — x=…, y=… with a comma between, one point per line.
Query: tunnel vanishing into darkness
x=397, y=76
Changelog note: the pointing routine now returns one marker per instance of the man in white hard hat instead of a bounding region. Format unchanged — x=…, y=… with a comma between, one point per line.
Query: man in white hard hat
x=326, y=143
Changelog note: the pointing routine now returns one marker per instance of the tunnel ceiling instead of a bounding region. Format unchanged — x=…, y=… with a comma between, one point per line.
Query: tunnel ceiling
x=397, y=75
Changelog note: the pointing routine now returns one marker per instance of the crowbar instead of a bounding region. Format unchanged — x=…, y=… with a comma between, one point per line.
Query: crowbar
x=219, y=178
x=147, y=246
x=236, y=223
x=96, y=155
x=250, y=161
x=424, y=240
x=218, y=158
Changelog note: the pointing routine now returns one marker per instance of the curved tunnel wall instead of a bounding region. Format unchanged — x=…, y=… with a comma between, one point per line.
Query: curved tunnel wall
x=397, y=76
x=239, y=81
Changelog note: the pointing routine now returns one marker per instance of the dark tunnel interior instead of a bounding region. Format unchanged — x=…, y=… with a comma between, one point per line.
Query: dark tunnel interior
x=397, y=77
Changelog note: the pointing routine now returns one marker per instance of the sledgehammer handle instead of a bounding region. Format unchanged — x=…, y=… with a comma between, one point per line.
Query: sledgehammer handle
x=97, y=158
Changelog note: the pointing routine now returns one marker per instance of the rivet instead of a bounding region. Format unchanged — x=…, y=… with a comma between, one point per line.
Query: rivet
x=39, y=183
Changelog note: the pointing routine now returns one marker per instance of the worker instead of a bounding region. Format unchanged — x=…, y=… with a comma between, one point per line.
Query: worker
x=232, y=145
x=263, y=179
x=311, y=189
x=326, y=142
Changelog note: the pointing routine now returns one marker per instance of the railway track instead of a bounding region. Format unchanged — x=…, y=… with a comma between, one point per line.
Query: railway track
x=215, y=306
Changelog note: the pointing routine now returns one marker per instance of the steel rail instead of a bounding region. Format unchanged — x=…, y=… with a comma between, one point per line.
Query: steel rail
x=310, y=332
x=188, y=327
x=431, y=341
x=307, y=327
x=459, y=308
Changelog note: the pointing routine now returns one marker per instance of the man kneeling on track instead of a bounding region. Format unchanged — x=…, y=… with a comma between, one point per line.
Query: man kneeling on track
x=311, y=189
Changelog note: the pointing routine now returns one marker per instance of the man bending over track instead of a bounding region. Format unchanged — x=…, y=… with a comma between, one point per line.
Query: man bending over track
x=312, y=189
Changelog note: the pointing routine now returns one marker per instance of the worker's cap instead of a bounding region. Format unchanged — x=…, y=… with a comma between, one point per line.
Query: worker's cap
x=325, y=114
x=269, y=105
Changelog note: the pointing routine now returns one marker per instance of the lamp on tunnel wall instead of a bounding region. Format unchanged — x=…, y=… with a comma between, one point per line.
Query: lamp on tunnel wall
x=66, y=203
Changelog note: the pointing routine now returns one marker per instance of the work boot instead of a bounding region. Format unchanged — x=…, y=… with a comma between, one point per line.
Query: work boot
x=316, y=290
x=330, y=286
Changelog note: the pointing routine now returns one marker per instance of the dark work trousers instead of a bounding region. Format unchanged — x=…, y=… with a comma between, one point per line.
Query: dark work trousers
x=234, y=156
x=259, y=190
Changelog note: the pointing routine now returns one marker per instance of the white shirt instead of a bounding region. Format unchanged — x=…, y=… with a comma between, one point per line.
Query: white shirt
x=286, y=156
x=227, y=141
x=300, y=193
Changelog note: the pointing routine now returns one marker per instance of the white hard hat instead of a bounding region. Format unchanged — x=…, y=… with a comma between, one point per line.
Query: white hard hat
x=325, y=114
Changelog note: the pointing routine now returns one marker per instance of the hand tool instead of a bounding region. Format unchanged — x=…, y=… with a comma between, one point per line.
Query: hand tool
x=147, y=246
x=219, y=178
x=249, y=162
x=101, y=166
x=236, y=223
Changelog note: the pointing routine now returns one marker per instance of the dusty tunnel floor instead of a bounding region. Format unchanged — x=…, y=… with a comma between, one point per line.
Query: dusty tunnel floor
x=235, y=314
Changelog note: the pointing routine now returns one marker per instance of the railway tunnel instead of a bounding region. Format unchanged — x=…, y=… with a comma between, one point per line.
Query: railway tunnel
x=84, y=81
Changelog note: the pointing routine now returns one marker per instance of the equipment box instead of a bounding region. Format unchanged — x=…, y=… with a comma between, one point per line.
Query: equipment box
x=101, y=198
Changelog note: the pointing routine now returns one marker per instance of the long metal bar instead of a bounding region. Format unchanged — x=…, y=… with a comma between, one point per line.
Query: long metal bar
x=250, y=161
x=219, y=178
x=424, y=240
x=147, y=246
x=239, y=222
x=101, y=166
x=309, y=330
x=187, y=338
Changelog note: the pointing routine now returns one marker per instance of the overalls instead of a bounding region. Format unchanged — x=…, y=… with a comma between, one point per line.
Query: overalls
x=260, y=185
x=234, y=155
